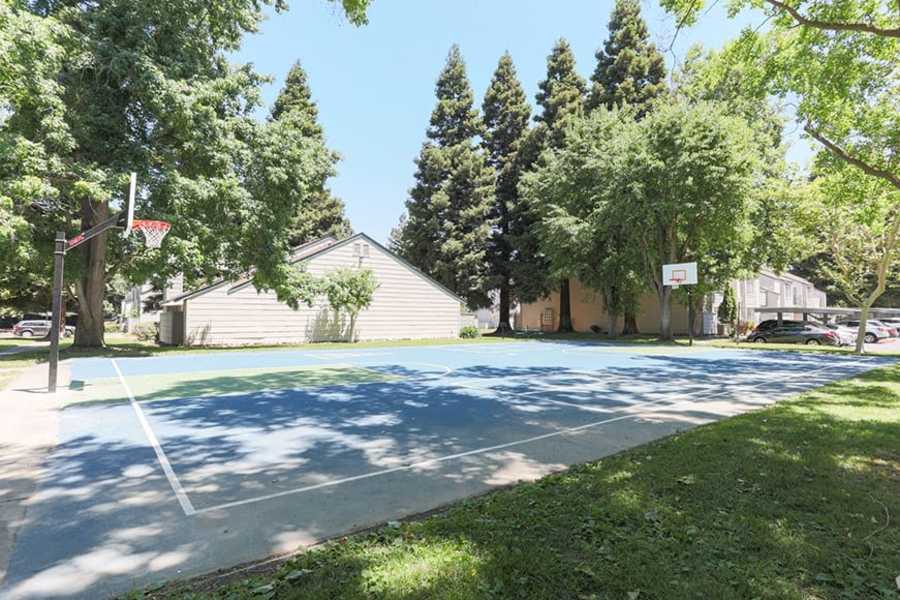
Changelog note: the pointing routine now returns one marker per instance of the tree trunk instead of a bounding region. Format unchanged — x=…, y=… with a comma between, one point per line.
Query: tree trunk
x=630, y=327
x=565, y=308
x=92, y=285
x=861, y=332
x=613, y=323
x=665, y=312
x=504, y=325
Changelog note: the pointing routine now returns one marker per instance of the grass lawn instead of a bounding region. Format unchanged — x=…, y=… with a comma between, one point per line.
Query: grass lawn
x=798, y=501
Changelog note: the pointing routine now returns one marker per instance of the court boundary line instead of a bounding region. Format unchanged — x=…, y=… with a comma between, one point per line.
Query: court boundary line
x=560, y=432
x=161, y=457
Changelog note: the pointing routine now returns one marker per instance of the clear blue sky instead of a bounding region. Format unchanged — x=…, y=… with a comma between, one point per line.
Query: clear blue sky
x=374, y=85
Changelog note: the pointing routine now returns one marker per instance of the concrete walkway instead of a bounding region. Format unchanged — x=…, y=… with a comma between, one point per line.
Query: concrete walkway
x=29, y=430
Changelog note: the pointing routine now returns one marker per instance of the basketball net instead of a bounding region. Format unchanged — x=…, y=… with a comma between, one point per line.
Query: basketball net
x=153, y=231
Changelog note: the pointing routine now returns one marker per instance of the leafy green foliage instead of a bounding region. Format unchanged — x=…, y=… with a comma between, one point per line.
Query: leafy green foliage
x=630, y=70
x=839, y=59
x=469, y=332
x=727, y=312
x=449, y=210
x=87, y=97
x=857, y=223
x=350, y=290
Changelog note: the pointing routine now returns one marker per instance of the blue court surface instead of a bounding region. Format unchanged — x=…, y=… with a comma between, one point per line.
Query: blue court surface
x=177, y=465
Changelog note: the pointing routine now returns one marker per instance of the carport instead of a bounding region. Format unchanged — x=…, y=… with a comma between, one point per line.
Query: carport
x=825, y=315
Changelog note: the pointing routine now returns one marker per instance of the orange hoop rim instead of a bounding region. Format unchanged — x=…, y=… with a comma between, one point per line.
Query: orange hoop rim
x=152, y=230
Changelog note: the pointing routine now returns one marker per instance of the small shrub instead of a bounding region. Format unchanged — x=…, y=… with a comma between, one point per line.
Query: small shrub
x=112, y=327
x=146, y=332
x=469, y=332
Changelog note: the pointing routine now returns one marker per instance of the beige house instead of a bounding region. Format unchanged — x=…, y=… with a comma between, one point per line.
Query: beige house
x=407, y=304
x=767, y=289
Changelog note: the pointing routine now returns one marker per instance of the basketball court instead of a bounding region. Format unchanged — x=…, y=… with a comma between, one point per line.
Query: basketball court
x=177, y=465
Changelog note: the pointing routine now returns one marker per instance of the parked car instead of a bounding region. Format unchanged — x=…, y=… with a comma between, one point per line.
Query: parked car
x=875, y=331
x=795, y=333
x=773, y=323
x=37, y=328
x=892, y=329
x=846, y=335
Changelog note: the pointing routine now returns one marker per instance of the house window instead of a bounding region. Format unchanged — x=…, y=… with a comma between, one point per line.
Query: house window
x=797, y=297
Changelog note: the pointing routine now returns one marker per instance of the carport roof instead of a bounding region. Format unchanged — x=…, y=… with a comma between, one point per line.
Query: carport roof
x=885, y=312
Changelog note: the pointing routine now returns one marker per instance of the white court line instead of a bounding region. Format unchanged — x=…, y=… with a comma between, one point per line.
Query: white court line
x=449, y=457
x=182, y=496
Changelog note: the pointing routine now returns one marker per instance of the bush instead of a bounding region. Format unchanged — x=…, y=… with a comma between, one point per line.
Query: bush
x=146, y=332
x=469, y=332
x=112, y=327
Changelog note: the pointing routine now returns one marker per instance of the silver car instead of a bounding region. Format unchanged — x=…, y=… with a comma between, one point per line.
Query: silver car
x=875, y=331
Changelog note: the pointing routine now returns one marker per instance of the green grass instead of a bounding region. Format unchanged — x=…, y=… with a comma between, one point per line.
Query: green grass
x=798, y=501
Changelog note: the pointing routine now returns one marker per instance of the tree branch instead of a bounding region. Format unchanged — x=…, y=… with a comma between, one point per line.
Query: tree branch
x=856, y=162
x=834, y=25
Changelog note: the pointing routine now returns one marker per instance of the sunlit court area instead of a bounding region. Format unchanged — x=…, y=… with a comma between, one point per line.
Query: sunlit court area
x=175, y=465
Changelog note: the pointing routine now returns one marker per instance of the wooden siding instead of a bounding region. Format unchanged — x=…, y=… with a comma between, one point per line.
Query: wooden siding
x=406, y=305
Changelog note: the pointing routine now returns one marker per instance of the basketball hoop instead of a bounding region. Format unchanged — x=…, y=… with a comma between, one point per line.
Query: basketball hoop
x=153, y=231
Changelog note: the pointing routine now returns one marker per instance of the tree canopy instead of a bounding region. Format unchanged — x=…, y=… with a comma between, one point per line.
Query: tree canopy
x=839, y=59
x=89, y=95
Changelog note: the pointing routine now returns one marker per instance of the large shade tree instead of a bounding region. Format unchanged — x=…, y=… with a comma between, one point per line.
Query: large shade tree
x=856, y=219
x=561, y=98
x=91, y=91
x=506, y=115
x=838, y=59
x=630, y=71
x=448, y=225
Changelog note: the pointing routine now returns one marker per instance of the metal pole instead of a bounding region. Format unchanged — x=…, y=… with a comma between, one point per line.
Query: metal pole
x=690, y=318
x=59, y=254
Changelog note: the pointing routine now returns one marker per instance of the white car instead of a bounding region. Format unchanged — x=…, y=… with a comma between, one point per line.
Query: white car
x=846, y=335
x=875, y=331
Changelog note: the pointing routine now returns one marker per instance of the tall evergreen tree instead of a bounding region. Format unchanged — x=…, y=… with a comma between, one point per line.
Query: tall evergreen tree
x=506, y=115
x=629, y=67
x=449, y=209
x=561, y=96
x=630, y=70
x=322, y=213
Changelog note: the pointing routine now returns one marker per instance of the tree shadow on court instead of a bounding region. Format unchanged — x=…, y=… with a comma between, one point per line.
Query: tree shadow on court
x=794, y=502
x=105, y=516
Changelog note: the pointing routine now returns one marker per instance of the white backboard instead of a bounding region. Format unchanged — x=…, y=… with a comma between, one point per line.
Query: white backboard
x=679, y=274
x=129, y=214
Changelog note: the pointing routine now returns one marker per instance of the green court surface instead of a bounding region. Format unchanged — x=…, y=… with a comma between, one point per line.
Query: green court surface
x=196, y=384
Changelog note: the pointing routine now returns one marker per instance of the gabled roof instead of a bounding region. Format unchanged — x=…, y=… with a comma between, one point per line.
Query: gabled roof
x=298, y=256
x=297, y=251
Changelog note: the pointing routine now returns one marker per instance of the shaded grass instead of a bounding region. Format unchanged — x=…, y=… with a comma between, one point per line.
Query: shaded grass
x=797, y=501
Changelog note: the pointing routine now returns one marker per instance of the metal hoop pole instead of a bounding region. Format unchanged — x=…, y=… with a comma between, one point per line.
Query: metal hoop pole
x=59, y=256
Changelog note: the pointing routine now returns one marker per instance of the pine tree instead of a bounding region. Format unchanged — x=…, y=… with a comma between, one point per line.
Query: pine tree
x=561, y=97
x=506, y=115
x=561, y=94
x=630, y=70
x=321, y=214
x=449, y=221
x=629, y=67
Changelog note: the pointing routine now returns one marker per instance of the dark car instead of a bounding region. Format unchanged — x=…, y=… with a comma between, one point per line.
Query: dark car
x=795, y=332
x=769, y=324
x=37, y=328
